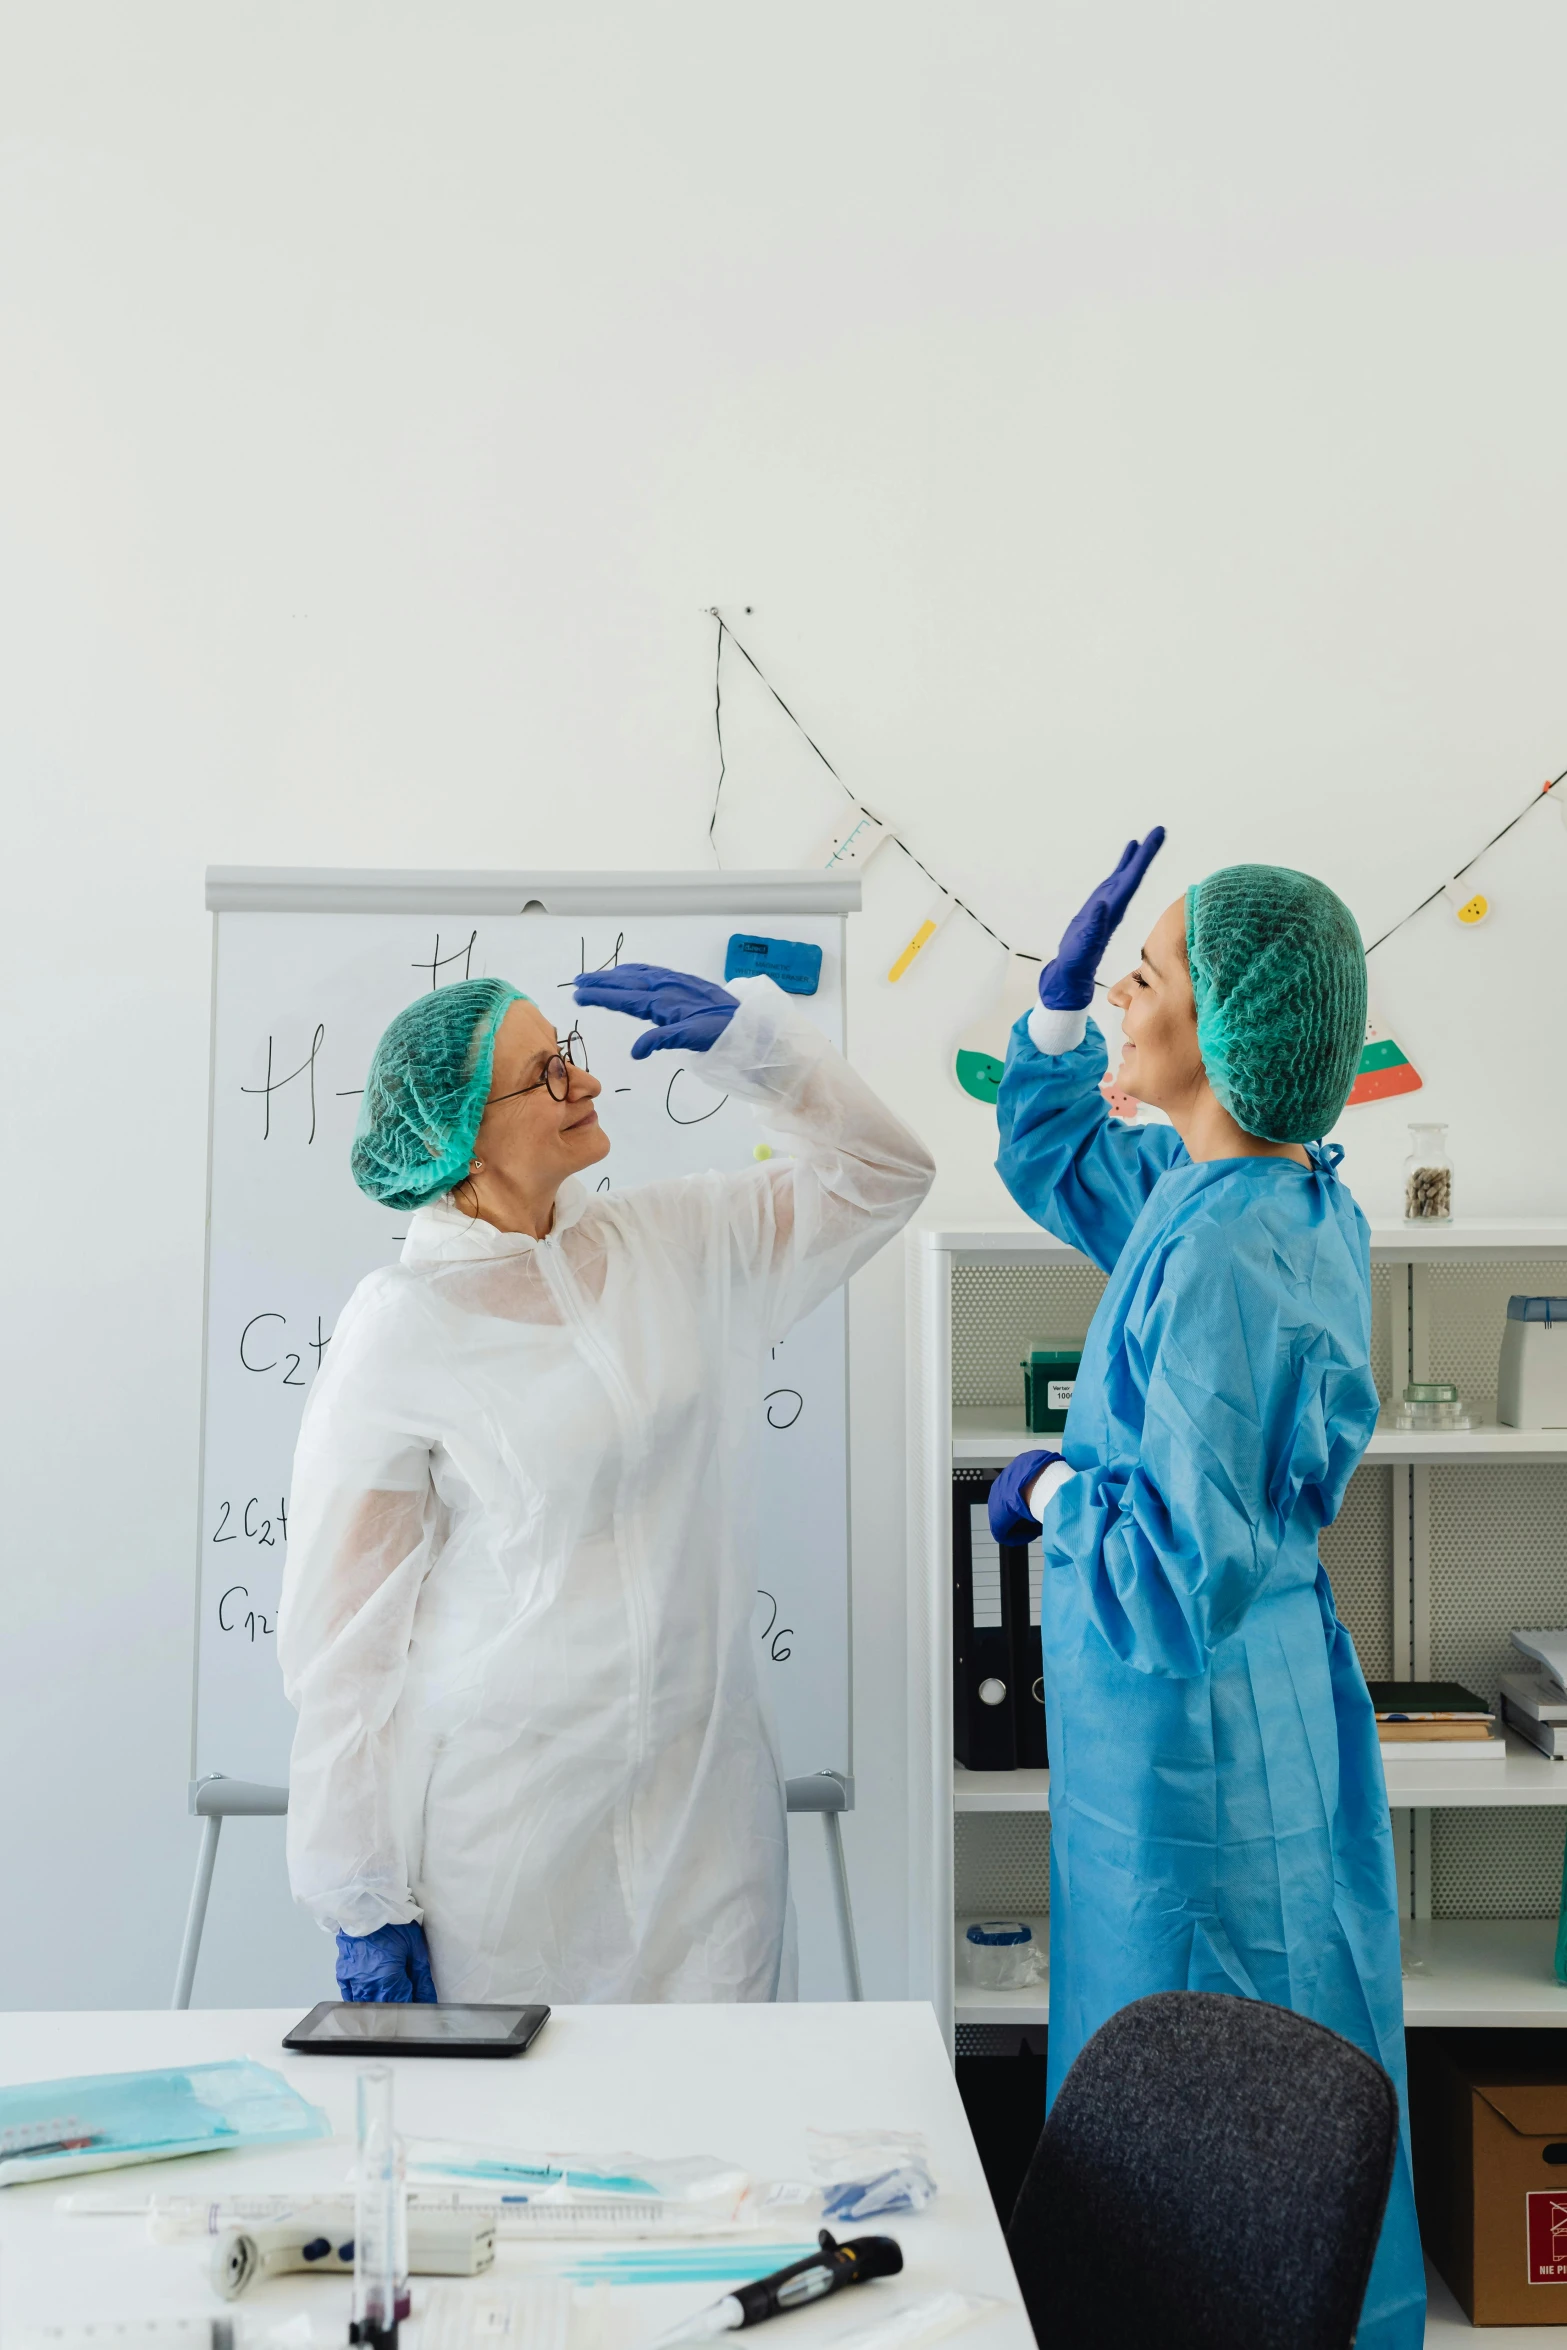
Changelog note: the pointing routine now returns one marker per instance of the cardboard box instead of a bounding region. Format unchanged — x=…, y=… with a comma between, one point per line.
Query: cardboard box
x=1490, y=2143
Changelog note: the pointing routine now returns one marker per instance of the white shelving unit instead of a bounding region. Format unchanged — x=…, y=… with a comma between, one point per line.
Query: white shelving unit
x=1000, y=1790
x=1526, y=1777
x=985, y=1437
x=1459, y=1970
x=1470, y=1239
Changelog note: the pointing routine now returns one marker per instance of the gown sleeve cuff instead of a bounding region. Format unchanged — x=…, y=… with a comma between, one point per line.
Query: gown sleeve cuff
x=1052, y=1032
x=1046, y=1486
x=765, y=1049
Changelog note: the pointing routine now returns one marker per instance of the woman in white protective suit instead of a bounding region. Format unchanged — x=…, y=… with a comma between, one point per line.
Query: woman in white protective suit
x=531, y=1760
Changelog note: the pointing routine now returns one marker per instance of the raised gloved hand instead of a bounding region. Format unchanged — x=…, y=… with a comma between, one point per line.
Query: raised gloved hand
x=689, y=1015
x=1010, y=1519
x=1066, y=983
x=389, y=1966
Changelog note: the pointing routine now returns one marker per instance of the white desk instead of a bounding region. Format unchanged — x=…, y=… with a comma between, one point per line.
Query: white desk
x=740, y=2082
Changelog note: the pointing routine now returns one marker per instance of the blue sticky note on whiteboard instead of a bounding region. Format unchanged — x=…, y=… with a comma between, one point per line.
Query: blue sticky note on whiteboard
x=787, y=962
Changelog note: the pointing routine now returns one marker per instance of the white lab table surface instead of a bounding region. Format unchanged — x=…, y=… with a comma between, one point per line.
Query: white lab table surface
x=743, y=2083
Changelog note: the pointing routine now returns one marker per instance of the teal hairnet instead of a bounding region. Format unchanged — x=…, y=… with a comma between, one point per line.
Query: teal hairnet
x=425, y=1094
x=1279, y=973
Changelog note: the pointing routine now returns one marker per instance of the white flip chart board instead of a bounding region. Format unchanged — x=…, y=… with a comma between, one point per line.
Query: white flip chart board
x=308, y=968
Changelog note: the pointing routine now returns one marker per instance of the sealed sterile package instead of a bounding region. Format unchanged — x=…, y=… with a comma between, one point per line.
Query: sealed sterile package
x=514, y=2214
x=544, y=2313
x=864, y=2172
x=571, y=2178
x=618, y=2218
x=174, y=2333
x=921, y=2321
x=53, y=2129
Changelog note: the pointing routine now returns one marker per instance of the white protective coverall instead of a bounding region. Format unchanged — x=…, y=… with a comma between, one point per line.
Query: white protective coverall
x=517, y=1614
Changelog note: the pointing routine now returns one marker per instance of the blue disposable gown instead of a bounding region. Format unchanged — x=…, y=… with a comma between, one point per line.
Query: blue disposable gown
x=1219, y=1813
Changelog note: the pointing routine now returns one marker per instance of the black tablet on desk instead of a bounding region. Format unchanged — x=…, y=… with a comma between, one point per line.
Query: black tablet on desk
x=368, y=2028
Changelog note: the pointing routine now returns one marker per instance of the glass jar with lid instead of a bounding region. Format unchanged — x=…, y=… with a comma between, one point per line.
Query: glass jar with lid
x=1428, y=1177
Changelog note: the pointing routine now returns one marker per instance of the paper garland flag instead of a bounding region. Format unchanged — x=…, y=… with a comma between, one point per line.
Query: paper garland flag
x=1385, y=1069
x=1469, y=904
x=929, y=923
x=982, y=1048
x=856, y=844
x=981, y=1054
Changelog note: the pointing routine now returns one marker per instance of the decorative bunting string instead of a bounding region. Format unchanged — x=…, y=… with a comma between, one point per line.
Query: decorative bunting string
x=1441, y=890
x=725, y=631
x=1025, y=954
x=718, y=729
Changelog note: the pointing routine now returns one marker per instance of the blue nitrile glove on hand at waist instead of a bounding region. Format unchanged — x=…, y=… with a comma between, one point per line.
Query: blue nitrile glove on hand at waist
x=1011, y=1520
x=689, y=1015
x=389, y=1966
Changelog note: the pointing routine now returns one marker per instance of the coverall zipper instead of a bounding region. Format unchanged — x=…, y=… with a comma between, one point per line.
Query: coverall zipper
x=563, y=1286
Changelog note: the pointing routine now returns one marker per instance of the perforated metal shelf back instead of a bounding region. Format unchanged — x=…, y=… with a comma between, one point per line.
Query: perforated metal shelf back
x=1498, y=1559
x=1386, y=1280
x=1357, y=1550
x=1490, y=1863
x=1002, y=1863
x=1468, y=1305
x=999, y=1311
x=1497, y=1862
x=1000, y=2040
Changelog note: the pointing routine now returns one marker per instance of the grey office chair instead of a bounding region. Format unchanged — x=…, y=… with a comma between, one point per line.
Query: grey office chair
x=1212, y=2176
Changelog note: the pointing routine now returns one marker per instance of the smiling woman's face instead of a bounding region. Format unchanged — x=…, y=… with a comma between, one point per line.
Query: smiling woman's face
x=526, y=1135
x=1160, y=1063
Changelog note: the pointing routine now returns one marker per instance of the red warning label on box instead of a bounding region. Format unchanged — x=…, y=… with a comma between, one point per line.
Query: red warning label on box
x=1547, y=2239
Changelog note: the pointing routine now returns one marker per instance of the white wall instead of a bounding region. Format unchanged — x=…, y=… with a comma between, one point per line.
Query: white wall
x=1109, y=415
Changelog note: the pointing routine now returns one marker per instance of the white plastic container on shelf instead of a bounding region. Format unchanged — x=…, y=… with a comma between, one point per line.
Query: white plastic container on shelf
x=1531, y=1379
x=1001, y=1955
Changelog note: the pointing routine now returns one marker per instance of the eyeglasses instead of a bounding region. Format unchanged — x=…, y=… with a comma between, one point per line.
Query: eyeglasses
x=557, y=1072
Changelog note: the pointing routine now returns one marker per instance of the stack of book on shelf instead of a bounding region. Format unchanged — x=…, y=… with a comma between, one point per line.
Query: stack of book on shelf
x=1435, y=1721
x=1534, y=1703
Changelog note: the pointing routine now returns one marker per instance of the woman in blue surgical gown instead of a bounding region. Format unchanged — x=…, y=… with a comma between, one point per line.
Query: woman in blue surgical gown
x=1219, y=1812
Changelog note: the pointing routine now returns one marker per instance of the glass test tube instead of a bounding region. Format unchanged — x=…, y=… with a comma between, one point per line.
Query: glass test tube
x=380, y=2218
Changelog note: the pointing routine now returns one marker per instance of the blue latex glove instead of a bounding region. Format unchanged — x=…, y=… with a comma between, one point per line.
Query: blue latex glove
x=1066, y=983
x=1009, y=1518
x=689, y=1015
x=389, y=1966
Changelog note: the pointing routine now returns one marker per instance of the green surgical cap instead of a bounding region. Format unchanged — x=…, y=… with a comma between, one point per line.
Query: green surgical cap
x=424, y=1097
x=1279, y=974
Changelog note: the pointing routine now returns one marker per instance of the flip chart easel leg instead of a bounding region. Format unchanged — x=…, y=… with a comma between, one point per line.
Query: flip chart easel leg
x=190, y=1948
x=838, y=1870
